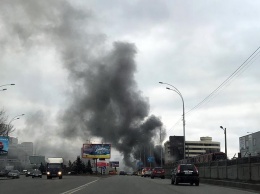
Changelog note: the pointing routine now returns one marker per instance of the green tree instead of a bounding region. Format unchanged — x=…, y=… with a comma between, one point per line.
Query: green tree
x=79, y=166
x=89, y=168
x=70, y=166
x=42, y=168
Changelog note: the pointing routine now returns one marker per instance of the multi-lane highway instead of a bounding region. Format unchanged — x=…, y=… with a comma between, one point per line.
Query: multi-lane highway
x=116, y=184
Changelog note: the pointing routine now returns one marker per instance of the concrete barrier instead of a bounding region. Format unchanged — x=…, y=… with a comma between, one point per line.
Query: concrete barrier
x=236, y=184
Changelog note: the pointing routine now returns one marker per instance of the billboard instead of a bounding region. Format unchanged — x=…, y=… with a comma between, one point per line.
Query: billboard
x=102, y=164
x=4, y=145
x=114, y=163
x=96, y=151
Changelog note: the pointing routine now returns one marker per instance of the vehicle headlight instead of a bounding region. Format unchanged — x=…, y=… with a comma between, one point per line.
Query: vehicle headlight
x=59, y=173
x=48, y=173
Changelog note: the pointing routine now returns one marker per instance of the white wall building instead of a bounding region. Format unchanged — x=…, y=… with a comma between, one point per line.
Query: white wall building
x=193, y=148
x=205, y=145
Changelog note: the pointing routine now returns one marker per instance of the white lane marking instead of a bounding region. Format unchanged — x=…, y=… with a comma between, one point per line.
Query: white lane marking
x=79, y=188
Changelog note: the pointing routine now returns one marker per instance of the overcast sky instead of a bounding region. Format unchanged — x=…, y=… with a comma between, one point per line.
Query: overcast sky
x=193, y=45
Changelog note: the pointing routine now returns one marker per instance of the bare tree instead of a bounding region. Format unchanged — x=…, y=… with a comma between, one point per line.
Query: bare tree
x=4, y=127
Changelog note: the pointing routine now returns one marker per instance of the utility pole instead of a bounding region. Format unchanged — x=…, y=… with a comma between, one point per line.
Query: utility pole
x=161, y=144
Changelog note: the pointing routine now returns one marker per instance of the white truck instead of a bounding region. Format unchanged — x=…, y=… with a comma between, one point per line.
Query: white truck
x=54, y=167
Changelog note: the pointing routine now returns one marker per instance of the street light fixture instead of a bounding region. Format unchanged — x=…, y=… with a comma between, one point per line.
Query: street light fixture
x=225, y=133
x=7, y=85
x=183, y=113
x=14, y=118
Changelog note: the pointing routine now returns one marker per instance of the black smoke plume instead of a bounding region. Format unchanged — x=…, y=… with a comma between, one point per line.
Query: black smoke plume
x=103, y=97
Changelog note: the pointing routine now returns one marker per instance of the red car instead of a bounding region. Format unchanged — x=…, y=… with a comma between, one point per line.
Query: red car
x=158, y=172
x=1, y=145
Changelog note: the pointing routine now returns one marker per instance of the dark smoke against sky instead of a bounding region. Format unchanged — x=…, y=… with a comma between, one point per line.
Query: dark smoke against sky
x=103, y=100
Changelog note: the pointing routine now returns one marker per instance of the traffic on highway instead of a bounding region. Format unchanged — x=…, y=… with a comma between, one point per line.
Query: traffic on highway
x=109, y=184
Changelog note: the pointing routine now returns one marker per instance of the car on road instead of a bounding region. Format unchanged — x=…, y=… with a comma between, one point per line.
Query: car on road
x=122, y=173
x=158, y=172
x=72, y=173
x=185, y=173
x=29, y=172
x=112, y=172
x=36, y=173
x=146, y=172
x=3, y=173
x=13, y=174
x=129, y=173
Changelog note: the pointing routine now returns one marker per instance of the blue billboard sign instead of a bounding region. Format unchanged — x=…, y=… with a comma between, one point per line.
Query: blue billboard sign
x=150, y=159
x=96, y=151
x=4, y=145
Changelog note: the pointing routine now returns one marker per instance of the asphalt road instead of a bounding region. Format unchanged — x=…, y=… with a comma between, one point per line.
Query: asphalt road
x=116, y=184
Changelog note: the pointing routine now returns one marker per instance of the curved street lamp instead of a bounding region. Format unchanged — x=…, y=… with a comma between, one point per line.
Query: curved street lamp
x=183, y=112
x=14, y=118
x=7, y=85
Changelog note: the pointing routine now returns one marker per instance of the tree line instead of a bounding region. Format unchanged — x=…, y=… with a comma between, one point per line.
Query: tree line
x=78, y=167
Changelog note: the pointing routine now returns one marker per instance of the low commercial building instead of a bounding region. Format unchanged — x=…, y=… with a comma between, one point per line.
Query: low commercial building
x=205, y=145
x=250, y=145
x=174, y=148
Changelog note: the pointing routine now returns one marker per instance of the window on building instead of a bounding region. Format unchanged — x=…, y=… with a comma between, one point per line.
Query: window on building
x=246, y=143
x=254, y=141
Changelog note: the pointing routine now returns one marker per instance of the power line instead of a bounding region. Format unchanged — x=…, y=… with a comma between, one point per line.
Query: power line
x=238, y=71
x=245, y=64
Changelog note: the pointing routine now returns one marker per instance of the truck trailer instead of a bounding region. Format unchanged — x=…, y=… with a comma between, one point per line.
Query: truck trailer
x=54, y=167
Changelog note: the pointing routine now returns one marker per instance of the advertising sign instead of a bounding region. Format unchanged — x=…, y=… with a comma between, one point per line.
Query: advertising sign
x=4, y=145
x=150, y=159
x=96, y=151
x=114, y=163
x=102, y=164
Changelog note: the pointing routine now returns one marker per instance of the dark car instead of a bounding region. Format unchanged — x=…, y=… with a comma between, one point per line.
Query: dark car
x=122, y=173
x=185, y=173
x=29, y=173
x=158, y=172
x=13, y=174
x=3, y=173
x=36, y=173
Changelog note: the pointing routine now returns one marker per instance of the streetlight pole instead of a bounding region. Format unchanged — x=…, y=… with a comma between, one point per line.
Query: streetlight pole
x=161, y=144
x=225, y=133
x=183, y=113
x=14, y=118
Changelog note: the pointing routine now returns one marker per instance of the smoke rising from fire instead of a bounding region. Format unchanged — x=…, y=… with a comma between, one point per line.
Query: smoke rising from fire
x=103, y=97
